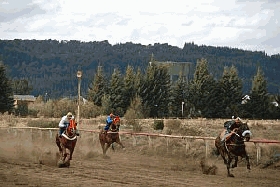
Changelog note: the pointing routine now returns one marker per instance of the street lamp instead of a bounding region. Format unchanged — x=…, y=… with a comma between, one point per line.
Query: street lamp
x=79, y=76
x=183, y=109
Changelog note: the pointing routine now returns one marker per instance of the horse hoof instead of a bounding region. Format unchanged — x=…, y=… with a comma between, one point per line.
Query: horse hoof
x=230, y=175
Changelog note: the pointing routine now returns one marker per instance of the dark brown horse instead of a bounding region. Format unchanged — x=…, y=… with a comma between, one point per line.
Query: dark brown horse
x=234, y=146
x=108, y=138
x=66, y=144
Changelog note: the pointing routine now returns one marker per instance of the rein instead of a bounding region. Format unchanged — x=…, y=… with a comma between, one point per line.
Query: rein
x=238, y=143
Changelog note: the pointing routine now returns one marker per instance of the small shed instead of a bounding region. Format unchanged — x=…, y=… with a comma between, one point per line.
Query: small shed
x=23, y=99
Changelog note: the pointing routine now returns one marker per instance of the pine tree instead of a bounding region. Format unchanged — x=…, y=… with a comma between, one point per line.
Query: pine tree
x=6, y=92
x=177, y=97
x=129, y=86
x=116, y=93
x=138, y=81
x=230, y=93
x=203, y=91
x=98, y=88
x=155, y=91
x=259, y=102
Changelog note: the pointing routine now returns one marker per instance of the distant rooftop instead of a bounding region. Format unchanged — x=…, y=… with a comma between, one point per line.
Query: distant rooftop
x=25, y=97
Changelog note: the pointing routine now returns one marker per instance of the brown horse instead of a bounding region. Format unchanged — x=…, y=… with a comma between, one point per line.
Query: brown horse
x=108, y=138
x=234, y=146
x=66, y=144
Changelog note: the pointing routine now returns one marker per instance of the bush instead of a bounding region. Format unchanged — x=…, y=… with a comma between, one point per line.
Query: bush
x=173, y=126
x=89, y=110
x=136, y=126
x=22, y=110
x=158, y=124
x=33, y=113
x=42, y=124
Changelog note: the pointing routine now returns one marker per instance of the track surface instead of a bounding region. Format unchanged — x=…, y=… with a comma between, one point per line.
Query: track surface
x=30, y=160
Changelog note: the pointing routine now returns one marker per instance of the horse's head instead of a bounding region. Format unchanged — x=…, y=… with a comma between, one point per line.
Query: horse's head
x=71, y=129
x=244, y=131
x=117, y=120
x=116, y=123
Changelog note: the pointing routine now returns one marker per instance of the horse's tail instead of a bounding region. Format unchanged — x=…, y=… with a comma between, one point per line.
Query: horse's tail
x=216, y=151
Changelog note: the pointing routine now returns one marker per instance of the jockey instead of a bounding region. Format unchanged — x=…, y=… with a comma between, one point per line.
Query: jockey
x=64, y=122
x=231, y=125
x=109, y=121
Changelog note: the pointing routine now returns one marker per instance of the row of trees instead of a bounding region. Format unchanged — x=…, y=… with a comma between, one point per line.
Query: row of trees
x=153, y=95
x=50, y=66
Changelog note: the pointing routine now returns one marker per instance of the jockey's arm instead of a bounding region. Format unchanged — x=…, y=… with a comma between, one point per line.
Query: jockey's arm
x=62, y=123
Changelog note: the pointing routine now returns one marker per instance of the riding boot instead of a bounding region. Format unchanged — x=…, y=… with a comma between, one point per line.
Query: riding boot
x=61, y=130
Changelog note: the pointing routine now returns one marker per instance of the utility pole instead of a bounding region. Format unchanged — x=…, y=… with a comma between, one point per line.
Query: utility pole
x=79, y=76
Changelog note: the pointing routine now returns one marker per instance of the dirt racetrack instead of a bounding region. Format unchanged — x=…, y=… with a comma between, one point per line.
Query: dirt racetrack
x=28, y=158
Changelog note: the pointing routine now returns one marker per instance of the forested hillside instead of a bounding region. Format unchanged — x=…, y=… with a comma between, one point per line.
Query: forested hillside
x=50, y=65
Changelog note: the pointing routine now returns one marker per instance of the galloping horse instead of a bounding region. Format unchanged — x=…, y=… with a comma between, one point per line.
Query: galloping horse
x=111, y=136
x=234, y=146
x=66, y=144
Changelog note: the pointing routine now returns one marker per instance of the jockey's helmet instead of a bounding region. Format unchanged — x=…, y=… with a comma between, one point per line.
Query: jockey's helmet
x=238, y=120
x=69, y=115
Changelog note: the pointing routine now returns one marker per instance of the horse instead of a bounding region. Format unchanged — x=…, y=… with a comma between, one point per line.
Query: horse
x=111, y=136
x=234, y=146
x=66, y=144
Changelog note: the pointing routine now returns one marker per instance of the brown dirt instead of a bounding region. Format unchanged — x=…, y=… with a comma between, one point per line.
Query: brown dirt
x=29, y=157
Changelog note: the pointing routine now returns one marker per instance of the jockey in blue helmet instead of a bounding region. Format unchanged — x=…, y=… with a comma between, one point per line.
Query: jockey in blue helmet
x=109, y=121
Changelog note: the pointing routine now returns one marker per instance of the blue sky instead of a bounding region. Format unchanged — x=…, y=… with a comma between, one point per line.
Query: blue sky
x=252, y=25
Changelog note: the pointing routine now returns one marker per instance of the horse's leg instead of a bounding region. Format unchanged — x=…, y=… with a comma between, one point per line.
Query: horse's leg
x=223, y=153
x=63, y=153
x=119, y=142
x=235, y=162
x=228, y=167
x=102, y=140
x=106, y=148
x=72, y=150
x=67, y=156
x=58, y=144
x=248, y=161
x=102, y=145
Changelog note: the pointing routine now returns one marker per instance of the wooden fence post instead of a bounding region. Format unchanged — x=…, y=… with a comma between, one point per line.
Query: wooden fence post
x=150, y=141
x=258, y=152
x=134, y=143
x=167, y=143
x=51, y=134
x=206, y=148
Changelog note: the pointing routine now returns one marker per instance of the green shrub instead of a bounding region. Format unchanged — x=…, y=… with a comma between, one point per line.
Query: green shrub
x=173, y=124
x=158, y=124
x=136, y=126
x=22, y=109
x=33, y=113
x=89, y=110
